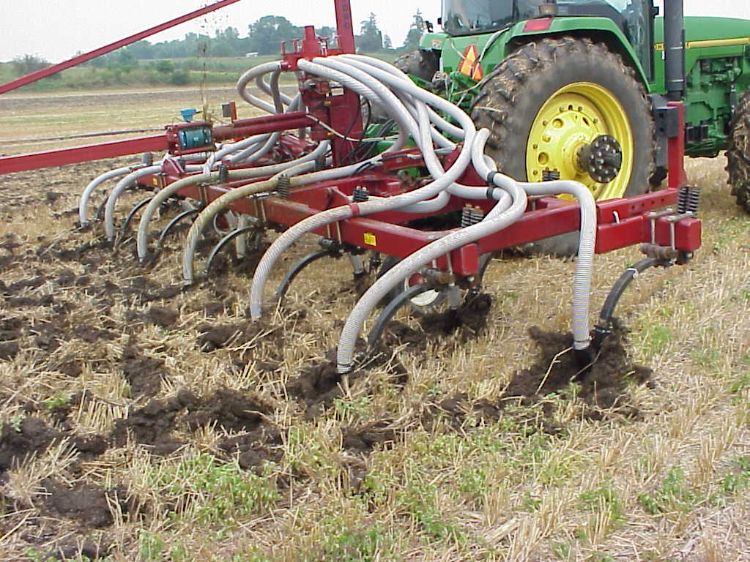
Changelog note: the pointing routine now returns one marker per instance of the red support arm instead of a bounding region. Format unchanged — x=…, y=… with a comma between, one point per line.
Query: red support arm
x=65, y=156
x=80, y=59
x=345, y=26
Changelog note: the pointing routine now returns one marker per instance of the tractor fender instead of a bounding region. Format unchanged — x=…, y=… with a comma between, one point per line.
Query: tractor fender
x=600, y=30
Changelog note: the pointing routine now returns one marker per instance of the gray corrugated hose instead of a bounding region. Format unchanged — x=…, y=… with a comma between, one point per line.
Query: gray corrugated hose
x=83, y=204
x=170, y=190
x=125, y=183
x=285, y=240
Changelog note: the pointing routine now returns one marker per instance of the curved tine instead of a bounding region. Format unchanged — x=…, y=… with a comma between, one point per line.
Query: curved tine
x=297, y=268
x=387, y=314
x=173, y=223
x=484, y=263
x=99, y=215
x=131, y=215
x=602, y=328
x=223, y=242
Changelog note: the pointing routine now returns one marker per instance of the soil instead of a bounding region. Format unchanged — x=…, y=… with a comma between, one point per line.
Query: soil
x=318, y=385
x=144, y=374
x=31, y=436
x=153, y=424
x=219, y=336
x=365, y=438
x=467, y=322
x=86, y=504
x=603, y=386
x=229, y=410
x=162, y=316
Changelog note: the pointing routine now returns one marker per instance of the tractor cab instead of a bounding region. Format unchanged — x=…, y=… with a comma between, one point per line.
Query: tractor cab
x=472, y=17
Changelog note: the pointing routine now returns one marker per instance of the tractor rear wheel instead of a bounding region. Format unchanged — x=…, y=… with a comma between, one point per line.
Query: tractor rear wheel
x=738, y=155
x=552, y=106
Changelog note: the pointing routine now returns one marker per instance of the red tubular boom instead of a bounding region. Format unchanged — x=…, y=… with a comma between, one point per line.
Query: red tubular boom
x=345, y=26
x=80, y=59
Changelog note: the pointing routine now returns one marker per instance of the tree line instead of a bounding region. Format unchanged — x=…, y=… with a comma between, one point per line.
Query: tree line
x=263, y=37
x=159, y=62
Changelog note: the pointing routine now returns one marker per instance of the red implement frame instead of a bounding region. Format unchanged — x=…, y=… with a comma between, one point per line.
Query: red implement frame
x=153, y=143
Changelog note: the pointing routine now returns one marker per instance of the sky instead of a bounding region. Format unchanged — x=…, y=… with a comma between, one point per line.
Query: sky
x=58, y=29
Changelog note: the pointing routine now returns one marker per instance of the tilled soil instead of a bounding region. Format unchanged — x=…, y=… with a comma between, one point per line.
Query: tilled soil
x=104, y=334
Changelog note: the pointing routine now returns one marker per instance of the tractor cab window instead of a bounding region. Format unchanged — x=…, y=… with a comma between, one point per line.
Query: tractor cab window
x=468, y=17
x=633, y=17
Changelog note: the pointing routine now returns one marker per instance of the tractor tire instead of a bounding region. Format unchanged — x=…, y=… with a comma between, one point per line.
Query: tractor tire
x=738, y=155
x=515, y=99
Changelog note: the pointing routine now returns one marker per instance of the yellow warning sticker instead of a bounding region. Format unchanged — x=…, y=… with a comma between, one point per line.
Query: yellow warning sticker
x=370, y=239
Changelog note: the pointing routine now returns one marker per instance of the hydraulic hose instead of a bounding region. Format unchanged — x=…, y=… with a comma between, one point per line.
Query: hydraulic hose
x=396, y=275
x=172, y=189
x=285, y=240
x=124, y=184
x=83, y=204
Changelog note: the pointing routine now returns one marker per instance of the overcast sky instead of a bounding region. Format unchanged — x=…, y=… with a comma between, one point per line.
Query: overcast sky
x=57, y=29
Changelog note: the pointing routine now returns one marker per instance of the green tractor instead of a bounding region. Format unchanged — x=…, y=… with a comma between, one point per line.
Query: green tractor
x=576, y=89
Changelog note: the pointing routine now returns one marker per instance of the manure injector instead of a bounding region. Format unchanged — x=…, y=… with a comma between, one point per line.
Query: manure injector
x=418, y=189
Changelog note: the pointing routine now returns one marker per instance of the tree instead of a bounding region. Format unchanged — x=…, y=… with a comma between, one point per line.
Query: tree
x=27, y=64
x=387, y=43
x=413, y=37
x=370, y=37
x=267, y=34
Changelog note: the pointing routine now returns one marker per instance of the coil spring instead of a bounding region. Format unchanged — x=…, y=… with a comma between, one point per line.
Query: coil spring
x=689, y=200
x=471, y=216
x=360, y=194
x=283, y=186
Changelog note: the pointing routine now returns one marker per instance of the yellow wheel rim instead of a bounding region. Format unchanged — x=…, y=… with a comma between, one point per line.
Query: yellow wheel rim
x=572, y=118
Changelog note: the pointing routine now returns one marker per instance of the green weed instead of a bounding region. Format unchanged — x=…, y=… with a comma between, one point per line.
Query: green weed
x=216, y=492
x=674, y=494
x=593, y=500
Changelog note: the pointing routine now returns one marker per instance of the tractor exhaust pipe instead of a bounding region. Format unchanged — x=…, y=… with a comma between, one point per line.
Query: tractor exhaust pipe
x=674, y=49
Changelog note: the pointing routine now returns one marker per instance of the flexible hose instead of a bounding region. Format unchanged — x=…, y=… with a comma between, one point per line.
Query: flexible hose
x=124, y=184
x=206, y=216
x=83, y=204
x=510, y=212
x=586, y=249
x=251, y=75
x=172, y=189
x=286, y=239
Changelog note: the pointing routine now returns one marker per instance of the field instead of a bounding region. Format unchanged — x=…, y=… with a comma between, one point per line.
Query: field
x=143, y=422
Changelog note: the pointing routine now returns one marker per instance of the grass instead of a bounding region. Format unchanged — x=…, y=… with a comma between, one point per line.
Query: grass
x=664, y=485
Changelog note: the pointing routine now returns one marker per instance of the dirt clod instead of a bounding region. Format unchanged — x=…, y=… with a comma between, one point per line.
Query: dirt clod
x=144, y=374
x=365, y=438
x=153, y=423
x=85, y=503
x=19, y=441
x=229, y=410
x=162, y=316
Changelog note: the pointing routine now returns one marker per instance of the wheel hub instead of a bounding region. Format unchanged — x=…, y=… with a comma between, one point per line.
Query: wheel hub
x=571, y=129
x=602, y=159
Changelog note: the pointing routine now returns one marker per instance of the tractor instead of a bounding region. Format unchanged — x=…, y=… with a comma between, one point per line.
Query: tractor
x=578, y=89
